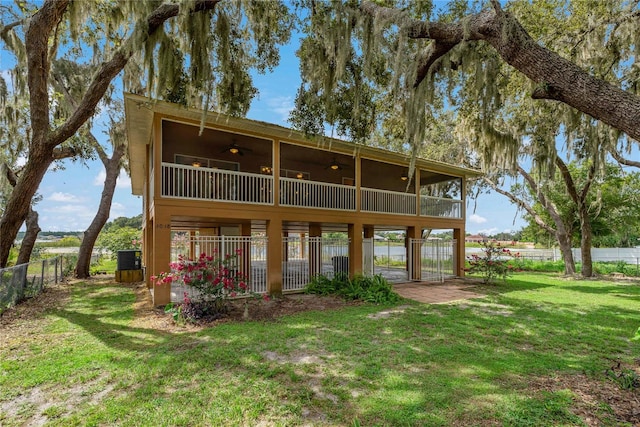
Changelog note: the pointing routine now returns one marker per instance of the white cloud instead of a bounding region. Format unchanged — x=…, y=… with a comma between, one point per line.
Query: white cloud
x=72, y=209
x=69, y=217
x=124, y=181
x=62, y=197
x=488, y=231
x=281, y=105
x=21, y=161
x=117, y=210
x=477, y=219
x=99, y=179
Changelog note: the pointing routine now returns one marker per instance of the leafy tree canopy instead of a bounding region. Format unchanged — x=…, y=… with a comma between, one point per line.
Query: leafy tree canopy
x=397, y=67
x=198, y=50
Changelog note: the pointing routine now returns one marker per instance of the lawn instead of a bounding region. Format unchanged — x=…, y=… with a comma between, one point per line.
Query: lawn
x=537, y=350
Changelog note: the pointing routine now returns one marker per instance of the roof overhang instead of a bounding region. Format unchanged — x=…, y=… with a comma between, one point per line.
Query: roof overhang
x=140, y=112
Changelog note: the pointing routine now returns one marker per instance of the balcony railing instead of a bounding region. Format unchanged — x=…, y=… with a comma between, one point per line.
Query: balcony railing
x=384, y=201
x=189, y=182
x=313, y=194
x=441, y=207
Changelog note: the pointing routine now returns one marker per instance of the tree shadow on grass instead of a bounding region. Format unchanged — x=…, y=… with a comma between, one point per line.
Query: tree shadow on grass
x=625, y=290
x=406, y=368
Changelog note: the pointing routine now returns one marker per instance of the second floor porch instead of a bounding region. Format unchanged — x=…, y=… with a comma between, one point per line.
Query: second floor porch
x=227, y=186
x=183, y=154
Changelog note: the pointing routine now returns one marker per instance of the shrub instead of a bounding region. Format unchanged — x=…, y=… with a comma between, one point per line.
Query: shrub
x=114, y=240
x=540, y=266
x=321, y=285
x=373, y=289
x=493, y=264
x=216, y=280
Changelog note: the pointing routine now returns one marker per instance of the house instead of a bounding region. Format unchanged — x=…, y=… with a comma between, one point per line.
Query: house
x=475, y=238
x=272, y=195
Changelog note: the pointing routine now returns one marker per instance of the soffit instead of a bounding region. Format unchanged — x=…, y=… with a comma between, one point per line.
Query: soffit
x=140, y=111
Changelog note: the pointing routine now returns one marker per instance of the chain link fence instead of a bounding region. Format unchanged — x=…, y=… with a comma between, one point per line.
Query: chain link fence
x=28, y=280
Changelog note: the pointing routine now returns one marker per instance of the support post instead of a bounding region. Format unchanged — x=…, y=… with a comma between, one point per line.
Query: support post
x=274, y=257
x=147, y=250
x=458, y=235
x=161, y=257
x=414, y=253
x=355, y=249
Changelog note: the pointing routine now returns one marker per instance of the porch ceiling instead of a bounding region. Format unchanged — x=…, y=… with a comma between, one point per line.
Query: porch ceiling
x=140, y=112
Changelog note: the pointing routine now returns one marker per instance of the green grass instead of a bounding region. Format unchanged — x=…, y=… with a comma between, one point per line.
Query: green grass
x=104, y=265
x=467, y=363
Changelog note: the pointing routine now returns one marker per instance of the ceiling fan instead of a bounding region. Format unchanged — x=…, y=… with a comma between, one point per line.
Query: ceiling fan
x=336, y=165
x=234, y=148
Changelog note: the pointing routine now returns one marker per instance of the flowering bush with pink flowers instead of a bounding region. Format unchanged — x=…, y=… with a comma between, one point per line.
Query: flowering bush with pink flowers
x=495, y=262
x=216, y=279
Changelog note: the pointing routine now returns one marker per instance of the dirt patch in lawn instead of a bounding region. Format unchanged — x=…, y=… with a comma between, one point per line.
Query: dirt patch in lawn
x=53, y=297
x=596, y=402
x=148, y=316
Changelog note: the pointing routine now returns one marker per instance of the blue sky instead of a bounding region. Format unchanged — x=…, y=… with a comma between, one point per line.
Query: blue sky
x=71, y=196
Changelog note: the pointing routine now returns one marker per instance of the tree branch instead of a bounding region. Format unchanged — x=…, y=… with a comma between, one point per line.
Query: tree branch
x=10, y=174
x=13, y=43
x=522, y=204
x=568, y=180
x=110, y=69
x=623, y=161
x=93, y=141
x=587, y=185
x=558, y=78
x=37, y=39
x=60, y=153
x=435, y=51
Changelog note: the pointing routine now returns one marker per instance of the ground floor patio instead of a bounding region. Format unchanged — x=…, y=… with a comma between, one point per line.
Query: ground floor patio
x=279, y=256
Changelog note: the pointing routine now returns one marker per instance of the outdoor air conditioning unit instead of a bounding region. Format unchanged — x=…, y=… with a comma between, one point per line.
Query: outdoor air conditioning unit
x=130, y=259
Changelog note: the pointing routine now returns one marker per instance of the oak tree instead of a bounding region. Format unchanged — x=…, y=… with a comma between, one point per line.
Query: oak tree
x=130, y=45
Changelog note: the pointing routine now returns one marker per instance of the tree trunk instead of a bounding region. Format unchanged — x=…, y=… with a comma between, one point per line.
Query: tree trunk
x=585, y=241
x=19, y=203
x=29, y=240
x=560, y=231
x=580, y=200
x=44, y=139
x=112, y=167
x=564, y=241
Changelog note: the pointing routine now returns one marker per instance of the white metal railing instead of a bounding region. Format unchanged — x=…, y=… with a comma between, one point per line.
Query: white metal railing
x=334, y=255
x=441, y=207
x=313, y=194
x=296, y=263
x=432, y=260
x=368, y=256
x=383, y=201
x=308, y=257
x=246, y=254
x=190, y=182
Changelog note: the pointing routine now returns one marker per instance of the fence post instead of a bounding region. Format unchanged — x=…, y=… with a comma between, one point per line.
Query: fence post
x=42, y=274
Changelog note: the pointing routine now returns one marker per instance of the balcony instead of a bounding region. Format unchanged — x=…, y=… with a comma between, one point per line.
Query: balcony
x=218, y=185
x=312, y=194
x=189, y=182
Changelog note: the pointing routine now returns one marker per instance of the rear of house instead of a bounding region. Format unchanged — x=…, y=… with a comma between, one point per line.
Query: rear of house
x=288, y=208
